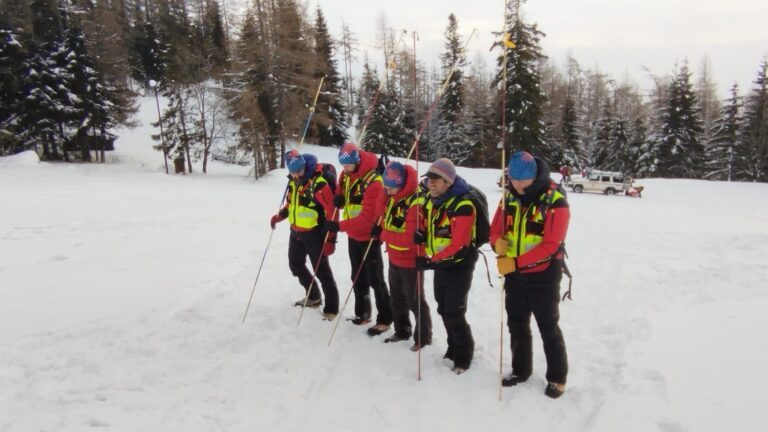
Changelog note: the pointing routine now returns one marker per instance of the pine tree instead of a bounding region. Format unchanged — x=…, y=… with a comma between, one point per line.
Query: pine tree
x=11, y=59
x=330, y=115
x=386, y=133
x=215, y=38
x=572, y=150
x=94, y=109
x=175, y=139
x=47, y=26
x=47, y=107
x=524, y=97
x=680, y=149
x=756, y=127
x=173, y=24
x=249, y=69
x=450, y=135
x=366, y=95
x=709, y=102
x=293, y=66
x=602, y=146
x=148, y=55
x=619, y=142
x=452, y=100
x=15, y=14
x=638, y=142
x=480, y=118
x=723, y=148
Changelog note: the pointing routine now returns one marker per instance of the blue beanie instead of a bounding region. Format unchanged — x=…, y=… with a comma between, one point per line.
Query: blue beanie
x=295, y=161
x=394, y=175
x=349, y=154
x=522, y=166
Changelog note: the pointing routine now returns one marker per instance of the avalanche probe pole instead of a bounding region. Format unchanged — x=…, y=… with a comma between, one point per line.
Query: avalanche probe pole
x=349, y=293
x=263, y=257
x=314, y=270
x=506, y=44
x=311, y=112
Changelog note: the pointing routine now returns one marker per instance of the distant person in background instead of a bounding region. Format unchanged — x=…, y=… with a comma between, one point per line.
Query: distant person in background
x=528, y=232
x=360, y=194
x=404, y=202
x=309, y=203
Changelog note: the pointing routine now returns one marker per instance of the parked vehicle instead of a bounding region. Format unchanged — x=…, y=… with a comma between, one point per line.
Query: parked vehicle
x=607, y=182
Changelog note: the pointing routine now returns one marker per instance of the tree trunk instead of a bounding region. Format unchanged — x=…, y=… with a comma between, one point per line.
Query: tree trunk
x=103, y=133
x=206, y=141
x=185, y=137
x=46, y=147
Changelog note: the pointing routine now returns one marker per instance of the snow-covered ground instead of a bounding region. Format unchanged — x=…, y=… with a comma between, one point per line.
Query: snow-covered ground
x=122, y=291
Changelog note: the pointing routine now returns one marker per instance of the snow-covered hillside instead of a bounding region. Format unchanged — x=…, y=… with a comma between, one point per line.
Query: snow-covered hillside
x=122, y=292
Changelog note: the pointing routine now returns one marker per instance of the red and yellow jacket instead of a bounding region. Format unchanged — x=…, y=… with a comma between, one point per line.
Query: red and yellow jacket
x=363, y=203
x=309, y=202
x=450, y=225
x=402, y=213
x=535, y=228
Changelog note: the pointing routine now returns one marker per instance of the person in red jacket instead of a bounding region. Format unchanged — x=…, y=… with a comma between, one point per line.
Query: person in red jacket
x=402, y=216
x=359, y=193
x=528, y=232
x=309, y=202
x=449, y=239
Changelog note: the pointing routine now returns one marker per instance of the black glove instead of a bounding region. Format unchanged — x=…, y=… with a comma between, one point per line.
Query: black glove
x=423, y=263
x=419, y=237
x=339, y=201
x=332, y=226
x=375, y=231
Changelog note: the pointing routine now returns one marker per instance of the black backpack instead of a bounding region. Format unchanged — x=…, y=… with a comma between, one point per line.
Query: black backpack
x=329, y=174
x=482, y=221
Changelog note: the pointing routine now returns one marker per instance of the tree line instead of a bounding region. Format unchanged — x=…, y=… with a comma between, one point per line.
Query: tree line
x=238, y=87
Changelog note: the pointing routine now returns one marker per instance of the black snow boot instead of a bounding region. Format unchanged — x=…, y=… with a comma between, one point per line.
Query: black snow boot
x=313, y=303
x=396, y=338
x=554, y=390
x=377, y=329
x=360, y=320
x=513, y=380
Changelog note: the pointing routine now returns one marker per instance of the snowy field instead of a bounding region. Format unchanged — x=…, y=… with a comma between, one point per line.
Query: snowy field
x=122, y=291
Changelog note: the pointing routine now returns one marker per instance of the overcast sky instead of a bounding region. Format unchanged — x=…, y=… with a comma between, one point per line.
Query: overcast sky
x=619, y=36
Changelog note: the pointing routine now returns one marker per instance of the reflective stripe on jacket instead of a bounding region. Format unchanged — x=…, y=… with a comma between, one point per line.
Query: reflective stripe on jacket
x=443, y=241
x=525, y=225
x=304, y=212
x=395, y=218
x=354, y=191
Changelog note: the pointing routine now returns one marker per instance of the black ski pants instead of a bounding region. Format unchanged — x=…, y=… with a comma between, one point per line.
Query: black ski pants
x=451, y=291
x=405, y=299
x=539, y=296
x=371, y=276
x=310, y=243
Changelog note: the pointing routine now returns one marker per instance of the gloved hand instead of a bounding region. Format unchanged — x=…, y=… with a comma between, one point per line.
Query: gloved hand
x=339, y=201
x=501, y=246
x=424, y=263
x=505, y=265
x=419, y=237
x=376, y=231
x=282, y=214
x=332, y=226
x=329, y=248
